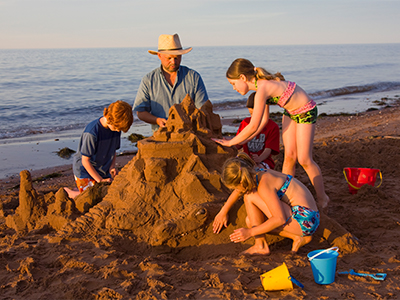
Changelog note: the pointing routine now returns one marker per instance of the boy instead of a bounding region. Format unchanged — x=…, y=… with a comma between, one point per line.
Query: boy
x=265, y=144
x=94, y=160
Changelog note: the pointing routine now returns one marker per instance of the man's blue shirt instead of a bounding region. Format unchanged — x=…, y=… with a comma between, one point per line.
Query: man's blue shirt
x=157, y=96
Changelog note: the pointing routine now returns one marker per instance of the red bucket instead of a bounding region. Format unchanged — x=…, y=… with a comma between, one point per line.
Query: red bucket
x=357, y=177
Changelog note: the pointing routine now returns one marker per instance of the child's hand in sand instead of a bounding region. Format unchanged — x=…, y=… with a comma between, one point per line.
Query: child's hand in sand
x=240, y=235
x=221, y=219
x=223, y=142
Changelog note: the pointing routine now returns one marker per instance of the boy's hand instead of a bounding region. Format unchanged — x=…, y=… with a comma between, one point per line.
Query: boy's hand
x=105, y=180
x=256, y=158
x=113, y=172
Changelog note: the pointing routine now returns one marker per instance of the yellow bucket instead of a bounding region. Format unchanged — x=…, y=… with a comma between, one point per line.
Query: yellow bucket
x=277, y=279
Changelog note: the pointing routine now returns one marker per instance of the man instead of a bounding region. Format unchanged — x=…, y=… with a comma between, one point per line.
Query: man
x=167, y=85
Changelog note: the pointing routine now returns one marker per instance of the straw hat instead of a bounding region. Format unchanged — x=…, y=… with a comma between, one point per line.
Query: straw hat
x=170, y=44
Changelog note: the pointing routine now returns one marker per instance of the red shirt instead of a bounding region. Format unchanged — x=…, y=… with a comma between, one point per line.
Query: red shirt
x=267, y=138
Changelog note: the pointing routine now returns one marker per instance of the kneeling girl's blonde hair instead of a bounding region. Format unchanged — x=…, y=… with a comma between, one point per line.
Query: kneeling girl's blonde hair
x=239, y=170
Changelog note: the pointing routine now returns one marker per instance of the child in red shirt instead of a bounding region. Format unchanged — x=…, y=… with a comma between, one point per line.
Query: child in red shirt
x=265, y=144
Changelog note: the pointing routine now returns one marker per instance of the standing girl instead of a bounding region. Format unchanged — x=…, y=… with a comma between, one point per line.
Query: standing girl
x=275, y=203
x=298, y=121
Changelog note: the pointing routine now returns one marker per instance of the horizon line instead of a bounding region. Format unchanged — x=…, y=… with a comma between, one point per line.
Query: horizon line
x=259, y=45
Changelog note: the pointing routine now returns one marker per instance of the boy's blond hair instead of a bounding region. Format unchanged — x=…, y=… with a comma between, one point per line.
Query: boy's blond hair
x=239, y=170
x=119, y=114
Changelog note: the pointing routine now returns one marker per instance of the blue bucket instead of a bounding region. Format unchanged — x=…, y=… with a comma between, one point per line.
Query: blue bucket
x=323, y=264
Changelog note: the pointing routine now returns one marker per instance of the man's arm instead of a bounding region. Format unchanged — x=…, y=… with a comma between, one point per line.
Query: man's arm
x=147, y=117
x=201, y=95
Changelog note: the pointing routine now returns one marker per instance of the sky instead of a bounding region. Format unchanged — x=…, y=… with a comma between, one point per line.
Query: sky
x=29, y=24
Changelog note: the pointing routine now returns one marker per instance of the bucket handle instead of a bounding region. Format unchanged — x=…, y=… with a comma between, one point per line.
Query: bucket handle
x=357, y=188
x=326, y=250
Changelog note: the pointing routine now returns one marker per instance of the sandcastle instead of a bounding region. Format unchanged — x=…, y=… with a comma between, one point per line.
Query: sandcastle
x=167, y=195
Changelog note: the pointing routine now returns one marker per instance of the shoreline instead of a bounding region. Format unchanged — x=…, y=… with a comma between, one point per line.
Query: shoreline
x=39, y=151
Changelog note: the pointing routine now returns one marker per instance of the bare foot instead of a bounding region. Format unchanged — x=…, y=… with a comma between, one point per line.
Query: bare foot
x=300, y=241
x=71, y=193
x=256, y=250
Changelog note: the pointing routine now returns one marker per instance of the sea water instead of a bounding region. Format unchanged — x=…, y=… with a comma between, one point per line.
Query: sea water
x=51, y=94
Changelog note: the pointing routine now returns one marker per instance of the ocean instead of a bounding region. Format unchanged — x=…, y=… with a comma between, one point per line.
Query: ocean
x=47, y=96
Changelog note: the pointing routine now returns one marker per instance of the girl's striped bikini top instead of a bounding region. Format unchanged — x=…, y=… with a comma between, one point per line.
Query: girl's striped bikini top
x=284, y=98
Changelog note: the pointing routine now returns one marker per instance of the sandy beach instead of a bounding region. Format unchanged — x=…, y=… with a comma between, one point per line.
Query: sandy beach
x=112, y=264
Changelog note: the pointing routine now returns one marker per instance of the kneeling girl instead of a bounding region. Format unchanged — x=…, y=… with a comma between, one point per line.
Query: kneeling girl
x=275, y=203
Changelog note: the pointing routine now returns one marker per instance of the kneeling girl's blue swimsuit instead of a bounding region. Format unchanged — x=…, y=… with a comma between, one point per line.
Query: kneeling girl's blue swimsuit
x=307, y=218
x=281, y=192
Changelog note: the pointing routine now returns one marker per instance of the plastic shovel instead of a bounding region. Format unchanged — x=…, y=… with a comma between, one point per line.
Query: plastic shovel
x=296, y=282
x=376, y=276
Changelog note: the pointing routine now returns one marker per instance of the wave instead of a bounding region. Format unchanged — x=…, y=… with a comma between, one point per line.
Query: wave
x=29, y=130
x=348, y=90
x=320, y=95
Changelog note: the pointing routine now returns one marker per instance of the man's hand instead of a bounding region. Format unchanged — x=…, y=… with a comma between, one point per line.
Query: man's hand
x=161, y=122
